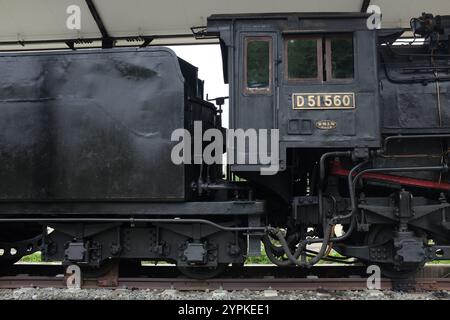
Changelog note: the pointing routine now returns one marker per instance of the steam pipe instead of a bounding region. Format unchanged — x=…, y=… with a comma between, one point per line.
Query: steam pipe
x=133, y=220
x=414, y=136
x=443, y=168
x=293, y=258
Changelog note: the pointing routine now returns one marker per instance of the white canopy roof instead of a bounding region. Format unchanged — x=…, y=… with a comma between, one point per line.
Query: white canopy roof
x=34, y=20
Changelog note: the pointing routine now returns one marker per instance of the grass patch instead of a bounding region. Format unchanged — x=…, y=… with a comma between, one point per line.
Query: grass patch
x=262, y=259
x=440, y=262
x=35, y=257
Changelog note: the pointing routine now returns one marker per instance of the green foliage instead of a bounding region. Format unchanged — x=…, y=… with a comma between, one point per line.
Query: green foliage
x=35, y=257
x=262, y=259
x=302, y=57
x=440, y=262
x=342, y=58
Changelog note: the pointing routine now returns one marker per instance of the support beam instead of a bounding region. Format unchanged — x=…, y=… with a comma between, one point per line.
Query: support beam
x=147, y=41
x=88, y=43
x=107, y=40
x=365, y=5
x=70, y=44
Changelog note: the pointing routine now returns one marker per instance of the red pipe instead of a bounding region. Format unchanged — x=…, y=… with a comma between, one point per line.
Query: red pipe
x=338, y=170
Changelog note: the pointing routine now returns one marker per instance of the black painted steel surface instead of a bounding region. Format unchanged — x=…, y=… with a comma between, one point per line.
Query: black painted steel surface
x=90, y=125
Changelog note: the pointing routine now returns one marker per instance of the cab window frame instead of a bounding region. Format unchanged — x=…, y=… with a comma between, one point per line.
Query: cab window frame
x=324, y=62
x=265, y=90
x=329, y=56
x=319, y=50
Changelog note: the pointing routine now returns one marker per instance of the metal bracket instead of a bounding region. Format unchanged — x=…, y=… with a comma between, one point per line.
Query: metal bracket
x=438, y=252
x=81, y=252
x=254, y=239
x=197, y=253
x=360, y=153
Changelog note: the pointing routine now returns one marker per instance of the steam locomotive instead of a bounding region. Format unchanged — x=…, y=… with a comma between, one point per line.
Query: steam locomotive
x=361, y=116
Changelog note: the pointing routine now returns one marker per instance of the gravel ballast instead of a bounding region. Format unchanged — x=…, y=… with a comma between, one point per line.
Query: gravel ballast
x=125, y=294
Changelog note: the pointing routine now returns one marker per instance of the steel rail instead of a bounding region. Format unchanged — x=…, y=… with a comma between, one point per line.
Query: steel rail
x=282, y=284
x=337, y=278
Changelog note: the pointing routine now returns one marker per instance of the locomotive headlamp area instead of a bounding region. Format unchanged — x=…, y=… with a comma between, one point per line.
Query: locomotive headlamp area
x=364, y=134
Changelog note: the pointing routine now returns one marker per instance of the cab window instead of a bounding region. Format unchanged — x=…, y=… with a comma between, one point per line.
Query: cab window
x=340, y=59
x=303, y=55
x=258, y=52
x=327, y=58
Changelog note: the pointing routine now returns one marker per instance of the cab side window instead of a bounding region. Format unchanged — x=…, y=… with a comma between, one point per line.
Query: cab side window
x=258, y=70
x=340, y=59
x=303, y=55
x=326, y=58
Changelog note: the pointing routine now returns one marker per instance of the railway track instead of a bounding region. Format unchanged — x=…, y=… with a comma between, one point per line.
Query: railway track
x=326, y=277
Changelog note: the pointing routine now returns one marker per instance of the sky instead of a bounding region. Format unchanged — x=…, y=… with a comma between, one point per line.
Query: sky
x=208, y=60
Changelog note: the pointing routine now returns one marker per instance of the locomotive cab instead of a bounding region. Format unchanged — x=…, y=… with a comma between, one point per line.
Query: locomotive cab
x=311, y=76
x=336, y=92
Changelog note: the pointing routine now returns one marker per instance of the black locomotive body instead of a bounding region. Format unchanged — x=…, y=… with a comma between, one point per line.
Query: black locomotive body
x=86, y=148
x=363, y=125
x=71, y=131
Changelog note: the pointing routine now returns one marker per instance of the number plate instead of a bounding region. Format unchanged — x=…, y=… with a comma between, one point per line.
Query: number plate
x=313, y=101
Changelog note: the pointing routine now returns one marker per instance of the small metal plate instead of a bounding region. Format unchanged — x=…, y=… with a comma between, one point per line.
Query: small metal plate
x=320, y=101
x=326, y=124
